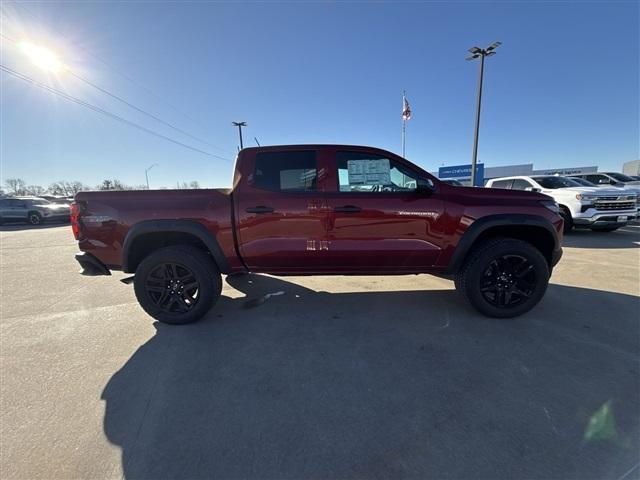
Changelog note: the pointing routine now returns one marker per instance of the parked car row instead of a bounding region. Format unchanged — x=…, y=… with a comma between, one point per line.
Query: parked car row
x=34, y=210
x=581, y=205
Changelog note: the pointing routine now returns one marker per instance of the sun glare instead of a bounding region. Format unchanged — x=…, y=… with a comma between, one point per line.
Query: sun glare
x=42, y=57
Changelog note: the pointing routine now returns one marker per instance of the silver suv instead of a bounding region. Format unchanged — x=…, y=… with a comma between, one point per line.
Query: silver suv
x=33, y=210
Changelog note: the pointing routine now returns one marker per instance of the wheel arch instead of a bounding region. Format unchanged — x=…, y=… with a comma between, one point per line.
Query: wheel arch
x=533, y=229
x=148, y=236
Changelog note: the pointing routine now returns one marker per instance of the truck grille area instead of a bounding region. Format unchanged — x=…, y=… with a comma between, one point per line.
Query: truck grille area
x=626, y=205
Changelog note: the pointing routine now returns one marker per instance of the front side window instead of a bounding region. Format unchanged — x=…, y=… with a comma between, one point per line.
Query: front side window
x=556, y=182
x=367, y=172
x=286, y=171
x=596, y=178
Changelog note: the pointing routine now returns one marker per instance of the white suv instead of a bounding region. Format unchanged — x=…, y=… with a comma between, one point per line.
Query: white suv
x=596, y=208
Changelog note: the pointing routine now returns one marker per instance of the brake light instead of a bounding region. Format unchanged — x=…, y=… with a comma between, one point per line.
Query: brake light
x=75, y=220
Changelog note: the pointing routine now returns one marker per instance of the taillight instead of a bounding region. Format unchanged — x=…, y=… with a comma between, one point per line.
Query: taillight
x=75, y=220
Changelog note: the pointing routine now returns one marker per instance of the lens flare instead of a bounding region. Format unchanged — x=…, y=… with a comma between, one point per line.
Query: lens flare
x=41, y=57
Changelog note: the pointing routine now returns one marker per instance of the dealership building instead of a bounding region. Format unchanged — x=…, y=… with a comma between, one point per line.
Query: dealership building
x=462, y=173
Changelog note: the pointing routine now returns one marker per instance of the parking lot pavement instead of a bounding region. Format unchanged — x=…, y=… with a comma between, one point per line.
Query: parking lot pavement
x=338, y=377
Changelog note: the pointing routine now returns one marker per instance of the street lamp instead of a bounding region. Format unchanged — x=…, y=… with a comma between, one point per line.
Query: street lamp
x=240, y=125
x=146, y=173
x=475, y=53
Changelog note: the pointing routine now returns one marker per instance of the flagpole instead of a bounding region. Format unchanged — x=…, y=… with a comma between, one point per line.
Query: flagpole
x=404, y=123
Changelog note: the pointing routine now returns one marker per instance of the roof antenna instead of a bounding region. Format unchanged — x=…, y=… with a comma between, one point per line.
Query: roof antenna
x=257, y=142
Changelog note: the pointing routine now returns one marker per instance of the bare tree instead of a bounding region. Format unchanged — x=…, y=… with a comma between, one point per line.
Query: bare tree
x=34, y=190
x=194, y=184
x=112, y=184
x=16, y=186
x=66, y=188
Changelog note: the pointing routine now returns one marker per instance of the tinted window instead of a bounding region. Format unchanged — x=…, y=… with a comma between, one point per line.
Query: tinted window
x=556, y=182
x=583, y=182
x=620, y=177
x=366, y=172
x=595, y=178
x=520, y=184
x=286, y=171
x=501, y=184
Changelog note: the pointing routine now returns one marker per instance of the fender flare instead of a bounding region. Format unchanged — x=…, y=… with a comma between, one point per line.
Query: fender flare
x=171, y=226
x=473, y=232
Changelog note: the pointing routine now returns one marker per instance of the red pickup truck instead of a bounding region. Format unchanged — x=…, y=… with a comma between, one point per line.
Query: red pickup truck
x=325, y=210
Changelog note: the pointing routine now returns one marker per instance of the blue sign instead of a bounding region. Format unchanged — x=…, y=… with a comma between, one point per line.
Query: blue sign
x=463, y=172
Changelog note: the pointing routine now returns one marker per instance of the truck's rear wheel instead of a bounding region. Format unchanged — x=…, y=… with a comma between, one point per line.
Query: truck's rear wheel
x=503, y=277
x=177, y=285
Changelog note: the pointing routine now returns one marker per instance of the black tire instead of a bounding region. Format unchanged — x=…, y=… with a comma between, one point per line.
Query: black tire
x=605, y=229
x=565, y=213
x=499, y=269
x=34, y=218
x=177, y=285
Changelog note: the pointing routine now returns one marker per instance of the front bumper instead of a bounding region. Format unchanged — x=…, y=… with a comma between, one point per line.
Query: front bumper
x=91, y=266
x=604, y=219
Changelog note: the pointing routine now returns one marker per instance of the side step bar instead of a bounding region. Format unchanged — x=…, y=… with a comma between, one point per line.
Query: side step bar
x=91, y=266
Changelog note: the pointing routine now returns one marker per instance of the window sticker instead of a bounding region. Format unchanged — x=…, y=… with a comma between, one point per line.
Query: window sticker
x=369, y=172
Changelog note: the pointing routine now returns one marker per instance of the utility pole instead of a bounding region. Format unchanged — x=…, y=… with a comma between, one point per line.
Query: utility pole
x=240, y=125
x=475, y=53
x=146, y=173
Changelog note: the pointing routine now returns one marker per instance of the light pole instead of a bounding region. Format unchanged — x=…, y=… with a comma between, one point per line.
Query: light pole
x=240, y=125
x=475, y=53
x=146, y=173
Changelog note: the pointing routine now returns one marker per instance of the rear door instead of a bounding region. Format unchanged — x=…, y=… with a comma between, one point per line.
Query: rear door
x=279, y=216
x=377, y=219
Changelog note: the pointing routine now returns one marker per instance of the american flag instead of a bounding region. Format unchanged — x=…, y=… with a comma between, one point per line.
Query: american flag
x=406, y=109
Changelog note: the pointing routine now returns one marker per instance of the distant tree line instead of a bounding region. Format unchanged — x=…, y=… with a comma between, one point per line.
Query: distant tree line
x=18, y=187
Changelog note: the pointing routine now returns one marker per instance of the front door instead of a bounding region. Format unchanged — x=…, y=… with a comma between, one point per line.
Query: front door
x=377, y=219
x=281, y=223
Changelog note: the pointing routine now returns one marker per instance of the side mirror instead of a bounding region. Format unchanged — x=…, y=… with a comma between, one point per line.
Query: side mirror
x=532, y=189
x=425, y=186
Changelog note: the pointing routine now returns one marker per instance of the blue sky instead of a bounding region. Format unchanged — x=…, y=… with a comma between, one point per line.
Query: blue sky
x=562, y=90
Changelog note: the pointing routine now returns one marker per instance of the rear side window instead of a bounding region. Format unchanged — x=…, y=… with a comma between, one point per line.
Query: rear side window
x=286, y=171
x=520, y=184
x=502, y=184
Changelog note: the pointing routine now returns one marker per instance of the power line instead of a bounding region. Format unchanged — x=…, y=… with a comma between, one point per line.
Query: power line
x=129, y=104
x=102, y=111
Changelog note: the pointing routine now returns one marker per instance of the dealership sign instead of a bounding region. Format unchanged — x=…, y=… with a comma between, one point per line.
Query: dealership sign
x=463, y=172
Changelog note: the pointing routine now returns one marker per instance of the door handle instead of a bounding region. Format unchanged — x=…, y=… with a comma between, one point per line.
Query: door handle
x=348, y=209
x=259, y=209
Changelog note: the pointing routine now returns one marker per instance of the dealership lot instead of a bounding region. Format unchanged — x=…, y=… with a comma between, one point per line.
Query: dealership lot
x=333, y=377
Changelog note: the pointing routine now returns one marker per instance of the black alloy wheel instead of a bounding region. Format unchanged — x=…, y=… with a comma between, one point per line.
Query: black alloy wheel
x=509, y=281
x=173, y=288
x=503, y=277
x=177, y=284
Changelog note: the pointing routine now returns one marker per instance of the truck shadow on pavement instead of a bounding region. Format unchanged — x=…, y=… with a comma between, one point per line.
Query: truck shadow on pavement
x=625, y=237
x=381, y=384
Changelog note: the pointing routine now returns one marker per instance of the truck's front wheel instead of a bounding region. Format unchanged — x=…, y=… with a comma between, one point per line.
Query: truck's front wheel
x=503, y=277
x=177, y=285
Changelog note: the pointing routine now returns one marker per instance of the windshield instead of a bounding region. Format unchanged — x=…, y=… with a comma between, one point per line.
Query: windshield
x=556, y=182
x=620, y=177
x=583, y=182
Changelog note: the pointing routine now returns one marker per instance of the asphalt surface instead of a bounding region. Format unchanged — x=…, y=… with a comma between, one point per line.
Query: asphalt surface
x=338, y=377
